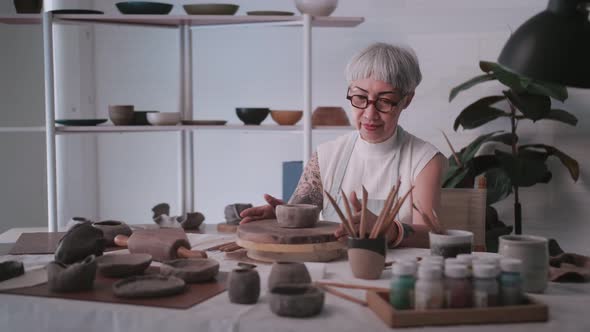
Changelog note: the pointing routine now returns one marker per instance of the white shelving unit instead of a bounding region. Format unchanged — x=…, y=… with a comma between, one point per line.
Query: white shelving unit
x=184, y=24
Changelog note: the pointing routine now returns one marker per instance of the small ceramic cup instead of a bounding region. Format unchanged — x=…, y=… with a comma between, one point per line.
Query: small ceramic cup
x=288, y=273
x=451, y=244
x=296, y=300
x=297, y=215
x=534, y=253
x=366, y=257
x=244, y=286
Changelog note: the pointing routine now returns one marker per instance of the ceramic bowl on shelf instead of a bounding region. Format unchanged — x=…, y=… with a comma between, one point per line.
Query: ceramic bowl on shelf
x=316, y=7
x=211, y=9
x=80, y=122
x=164, y=118
x=144, y=7
x=140, y=118
x=286, y=118
x=252, y=116
x=269, y=13
x=28, y=6
x=121, y=115
x=329, y=116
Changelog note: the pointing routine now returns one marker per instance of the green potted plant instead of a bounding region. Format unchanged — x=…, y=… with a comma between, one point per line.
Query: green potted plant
x=525, y=165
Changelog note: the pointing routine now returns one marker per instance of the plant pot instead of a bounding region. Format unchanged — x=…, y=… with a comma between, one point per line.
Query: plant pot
x=28, y=6
x=366, y=257
x=451, y=244
x=296, y=301
x=288, y=273
x=297, y=215
x=244, y=286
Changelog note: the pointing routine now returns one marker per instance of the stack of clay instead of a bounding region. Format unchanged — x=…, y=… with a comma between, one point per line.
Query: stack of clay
x=187, y=221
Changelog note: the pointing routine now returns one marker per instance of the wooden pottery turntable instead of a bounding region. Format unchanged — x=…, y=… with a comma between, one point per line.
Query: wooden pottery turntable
x=268, y=242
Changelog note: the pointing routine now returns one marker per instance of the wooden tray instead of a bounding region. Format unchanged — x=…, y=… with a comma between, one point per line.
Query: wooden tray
x=102, y=292
x=533, y=311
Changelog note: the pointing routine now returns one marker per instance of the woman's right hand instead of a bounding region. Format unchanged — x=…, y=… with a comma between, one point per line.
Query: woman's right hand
x=261, y=212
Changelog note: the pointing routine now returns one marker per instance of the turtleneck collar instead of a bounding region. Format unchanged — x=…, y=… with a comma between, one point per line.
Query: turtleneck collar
x=378, y=148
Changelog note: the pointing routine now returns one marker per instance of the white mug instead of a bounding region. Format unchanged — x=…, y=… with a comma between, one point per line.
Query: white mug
x=533, y=252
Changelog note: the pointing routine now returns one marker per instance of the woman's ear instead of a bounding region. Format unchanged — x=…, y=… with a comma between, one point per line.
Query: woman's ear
x=409, y=98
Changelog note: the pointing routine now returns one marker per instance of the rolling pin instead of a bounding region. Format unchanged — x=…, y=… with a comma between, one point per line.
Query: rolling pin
x=162, y=244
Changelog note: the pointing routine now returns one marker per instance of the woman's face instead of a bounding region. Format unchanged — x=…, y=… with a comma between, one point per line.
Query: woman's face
x=375, y=126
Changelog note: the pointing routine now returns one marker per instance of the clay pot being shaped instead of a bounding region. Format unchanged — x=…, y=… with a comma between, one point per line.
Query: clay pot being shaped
x=451, y=244
x=244, y=286
x=191, y=270
x=28, y=6
x=232, y=212
x=112, y=228
x=316, y=7
x=121, y=115
x=283, y=273
x=72, y=278
x=329, y=116
x=366, y=257
x=191, y=220
x=296, y=300
x=79, y=242
x=124, y=265
x=297, y=215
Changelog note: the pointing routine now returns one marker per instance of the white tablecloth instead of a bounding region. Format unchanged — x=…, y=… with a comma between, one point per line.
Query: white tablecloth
x=568, y=308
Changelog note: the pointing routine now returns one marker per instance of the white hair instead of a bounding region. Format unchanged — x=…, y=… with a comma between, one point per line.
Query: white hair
x=393, y=64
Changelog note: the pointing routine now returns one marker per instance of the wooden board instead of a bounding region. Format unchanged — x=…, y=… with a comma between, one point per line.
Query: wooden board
x=320, y=256
x=268, y=231
x=533, y=311
x=102, y=292
x=40, y=244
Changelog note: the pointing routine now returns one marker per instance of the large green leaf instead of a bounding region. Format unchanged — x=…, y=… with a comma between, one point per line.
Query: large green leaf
x=505, y=77
x=555, y=91
x=534, y=107
x=467, y=153
x=570, y=163
x=483, y=163
x=525, y=170
x=506, y=138
x=498, y=184
x=561, y=116
x=468, y=84
x=479, y=112
x=456, y=178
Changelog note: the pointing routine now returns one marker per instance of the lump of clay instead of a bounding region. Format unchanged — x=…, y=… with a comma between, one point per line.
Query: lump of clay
x=166, y=221
x=191, y=270
x=148, y=286
x=191, y=220
x=232, y=212
x=80, y=242
x=72, y=278
x=160, y=209
x=76, y=221
x=11, y=269
x=112, y=228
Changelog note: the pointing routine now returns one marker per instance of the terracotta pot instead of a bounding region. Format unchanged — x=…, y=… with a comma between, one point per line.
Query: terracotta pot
x=232, y=212
x=366, y=257
x=28, y=6
x=288, y=273
x=451, y=244
x=286, y=118
x=112, y=228
x=72, y=278
x=244, y=286
x=329, y=116
x=297, y=215
x=296, y=300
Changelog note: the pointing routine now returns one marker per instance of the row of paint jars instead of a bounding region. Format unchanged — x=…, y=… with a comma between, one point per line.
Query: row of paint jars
x=462, y=282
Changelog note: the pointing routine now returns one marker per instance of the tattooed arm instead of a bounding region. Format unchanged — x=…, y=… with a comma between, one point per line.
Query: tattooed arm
x=310, y=189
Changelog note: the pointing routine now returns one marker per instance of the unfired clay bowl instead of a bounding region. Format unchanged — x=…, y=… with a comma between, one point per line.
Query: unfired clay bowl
x=243, y=286
x=148, y=286
x=79, y=242
x=164, y=118
x=191, y=270
x=288, y=273
x=112, y=228
x=72, y=278
x=296, y=300
x=451, y=244
x=297, y=215
x=119, y=266
x=366, y=257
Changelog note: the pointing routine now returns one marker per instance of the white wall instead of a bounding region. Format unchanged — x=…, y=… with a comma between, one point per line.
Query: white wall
x=262, y=67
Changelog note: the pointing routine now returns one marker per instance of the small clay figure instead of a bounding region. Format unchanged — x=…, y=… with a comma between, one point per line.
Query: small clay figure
x=72, y=278
x=80, y=242
x=160, y=209
x=11, y=269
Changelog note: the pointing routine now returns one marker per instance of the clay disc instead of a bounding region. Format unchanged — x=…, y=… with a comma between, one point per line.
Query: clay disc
x=148, y=286
x=117, y=266
x=191, y=270
x=268, y=231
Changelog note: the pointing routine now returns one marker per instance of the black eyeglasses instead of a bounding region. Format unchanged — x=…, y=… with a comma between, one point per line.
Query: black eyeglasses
x=382, y=105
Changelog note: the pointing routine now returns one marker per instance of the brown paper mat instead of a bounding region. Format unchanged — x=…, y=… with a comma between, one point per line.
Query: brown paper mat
x=41, y=244
x=102, y=292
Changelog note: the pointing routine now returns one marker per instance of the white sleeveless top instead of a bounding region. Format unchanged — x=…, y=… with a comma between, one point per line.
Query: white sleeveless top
x=349, y=162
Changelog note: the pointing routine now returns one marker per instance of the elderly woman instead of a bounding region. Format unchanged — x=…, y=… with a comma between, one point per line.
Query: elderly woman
x=381, y=84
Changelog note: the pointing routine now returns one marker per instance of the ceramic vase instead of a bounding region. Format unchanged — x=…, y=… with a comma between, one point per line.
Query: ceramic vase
x=366, y=257
x=534, y=253
x=244, y=286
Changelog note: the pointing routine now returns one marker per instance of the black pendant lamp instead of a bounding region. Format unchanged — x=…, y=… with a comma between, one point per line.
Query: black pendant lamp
x=553, y=46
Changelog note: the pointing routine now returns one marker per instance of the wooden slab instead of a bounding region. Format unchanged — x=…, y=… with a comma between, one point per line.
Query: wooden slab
x=268, y=231
x=40, y=244
x=320, y=256
x=102, y=292
x=532, y=311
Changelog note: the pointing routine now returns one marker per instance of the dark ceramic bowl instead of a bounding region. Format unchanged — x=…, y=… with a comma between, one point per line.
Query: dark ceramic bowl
x=252, y=116
x=296, y=300
x=144, y=7
x=28, y=6
x=211, y=9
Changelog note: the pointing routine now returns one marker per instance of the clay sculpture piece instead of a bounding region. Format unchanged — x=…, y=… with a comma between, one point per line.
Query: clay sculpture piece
x=148, y=286
x=366, y=257
x=191, y=220
x=232, y=212
x=296, y=300
x=244, y=286
x=119, y=266
x=192, y=270
x=288, y=273
x=80, y=242
x=11, y=269
x=112, y=228
x=72, y=278
x=297, y=215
